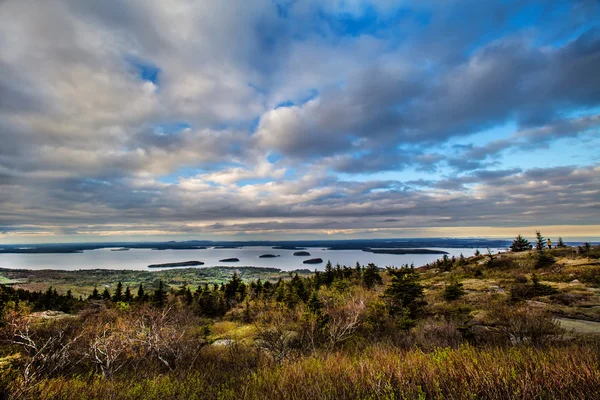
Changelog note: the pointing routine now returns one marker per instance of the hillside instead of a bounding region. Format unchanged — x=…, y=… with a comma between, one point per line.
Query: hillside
x=493, y=326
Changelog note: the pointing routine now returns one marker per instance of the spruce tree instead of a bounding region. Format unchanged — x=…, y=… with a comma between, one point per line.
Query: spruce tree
x=118, y=296
x=141, y=295
x=405, y=296
x=371, y=276
x=159, y=297
x=106, y=294
x=453, y=291
x=329, y=274
x=520, y=244
x=561, y=243
x=128, y=297
x=95, y=295
x=540, y=242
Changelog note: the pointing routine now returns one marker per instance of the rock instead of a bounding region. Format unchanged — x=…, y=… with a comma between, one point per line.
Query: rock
x=534, y=303
x=575, y=281
x=223, y=342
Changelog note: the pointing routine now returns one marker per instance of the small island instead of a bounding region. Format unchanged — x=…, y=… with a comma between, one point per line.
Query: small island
x=269, y=256
x=313, y=261
x=302, y=253
x=121, y=249
x=230, y=260
x=177, y=264
x=226, y=247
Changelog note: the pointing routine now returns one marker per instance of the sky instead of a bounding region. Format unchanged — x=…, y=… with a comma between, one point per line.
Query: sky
x=298, y=119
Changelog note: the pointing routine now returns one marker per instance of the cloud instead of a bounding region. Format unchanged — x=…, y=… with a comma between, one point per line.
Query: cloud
x=177, y=116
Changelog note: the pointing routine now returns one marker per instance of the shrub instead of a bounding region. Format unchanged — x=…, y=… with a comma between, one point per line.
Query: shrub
x=526, y=325
x=432, y=333
x=523, y=291
x=453, y=291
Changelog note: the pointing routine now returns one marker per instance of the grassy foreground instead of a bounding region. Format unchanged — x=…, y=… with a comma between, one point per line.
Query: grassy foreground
x=376, y=373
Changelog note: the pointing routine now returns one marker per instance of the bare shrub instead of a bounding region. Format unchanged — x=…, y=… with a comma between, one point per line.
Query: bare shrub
x=525, y=325
x=275, y=335
x=46, y=348
x=432, y=333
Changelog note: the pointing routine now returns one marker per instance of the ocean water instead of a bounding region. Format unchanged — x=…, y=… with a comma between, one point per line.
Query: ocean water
x=139, y=259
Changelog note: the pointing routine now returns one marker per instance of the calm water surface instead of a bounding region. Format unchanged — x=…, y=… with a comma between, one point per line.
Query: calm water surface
x=139, y=259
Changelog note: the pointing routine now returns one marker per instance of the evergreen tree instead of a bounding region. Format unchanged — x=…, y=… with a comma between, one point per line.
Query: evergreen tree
x=477, y=253
x=280, y=291
x=232, y=288
x=561, y=243
x=358, y=269
x=141, y=295
x=189, y=298
x=128, y=297
x=453, y=291
x=118, y=296
x=520, y=244
x=159, y=298
x=329, y=274
x=298, y=288
x=540, y=242
x=314, y=304
x=95, y=295
x=106, y=294
x=405, y=295
x=371, y=276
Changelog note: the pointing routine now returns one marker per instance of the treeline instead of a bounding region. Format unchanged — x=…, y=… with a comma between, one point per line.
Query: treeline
x=214, y=300
x=38, y=300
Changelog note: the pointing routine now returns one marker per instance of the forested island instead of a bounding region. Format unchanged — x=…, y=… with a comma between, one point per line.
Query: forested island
x=177, y=264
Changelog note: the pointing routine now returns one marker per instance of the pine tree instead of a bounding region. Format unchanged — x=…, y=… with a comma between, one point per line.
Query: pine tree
x=95, y=295
x=159, y=297
x=520, y=244
x=540, y=242
x=297, y=286
x=561, y=243
x=106, y=294
x=189, y=298
x=128, y=297
x=314, y=304
x=118, y=296
x=405, y=296
x=371, y=276
x=231, y=289
x=358, y=269
x=329, y=274
x=141, y=295
x=453, y=291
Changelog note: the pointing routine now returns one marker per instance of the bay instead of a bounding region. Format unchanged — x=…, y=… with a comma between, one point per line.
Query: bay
x=139, y=259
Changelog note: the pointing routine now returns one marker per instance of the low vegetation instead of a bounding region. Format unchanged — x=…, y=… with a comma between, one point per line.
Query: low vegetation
x=490, y=326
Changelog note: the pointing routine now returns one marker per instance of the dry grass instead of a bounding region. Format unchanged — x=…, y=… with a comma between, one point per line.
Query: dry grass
x=377, y=373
